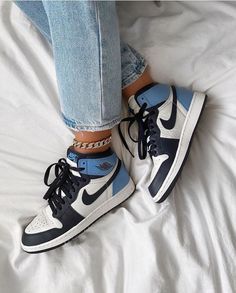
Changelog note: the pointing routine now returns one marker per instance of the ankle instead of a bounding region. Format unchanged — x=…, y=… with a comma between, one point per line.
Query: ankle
x=144, y=80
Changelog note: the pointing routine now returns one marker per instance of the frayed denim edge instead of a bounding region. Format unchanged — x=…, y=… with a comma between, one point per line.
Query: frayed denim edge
x=74, y=125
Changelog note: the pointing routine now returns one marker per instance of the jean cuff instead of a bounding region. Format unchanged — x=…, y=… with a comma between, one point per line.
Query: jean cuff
x=78, y=126
x=137, y=70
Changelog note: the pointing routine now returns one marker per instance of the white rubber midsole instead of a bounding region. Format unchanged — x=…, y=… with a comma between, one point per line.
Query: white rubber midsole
x=92, y=217
x=185, y=138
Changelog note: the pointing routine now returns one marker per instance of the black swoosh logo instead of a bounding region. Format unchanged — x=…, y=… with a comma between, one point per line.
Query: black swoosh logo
x=170, y=123
x=168, y=147
x=90, y=198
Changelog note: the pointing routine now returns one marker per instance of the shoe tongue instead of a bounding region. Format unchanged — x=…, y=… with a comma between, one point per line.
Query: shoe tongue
x=98, y=165
x=152, y=95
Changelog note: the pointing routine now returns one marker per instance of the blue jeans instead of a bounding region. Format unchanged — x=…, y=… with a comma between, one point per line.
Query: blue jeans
x=92, y=65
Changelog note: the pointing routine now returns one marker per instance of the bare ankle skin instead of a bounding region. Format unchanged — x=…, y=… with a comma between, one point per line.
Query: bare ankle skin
x=141, y=82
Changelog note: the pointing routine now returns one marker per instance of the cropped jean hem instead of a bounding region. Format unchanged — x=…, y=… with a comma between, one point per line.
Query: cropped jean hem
x=136, y=74
x=79, y=126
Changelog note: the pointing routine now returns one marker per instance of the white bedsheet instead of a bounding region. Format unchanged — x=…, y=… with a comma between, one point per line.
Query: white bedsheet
x=186, y=244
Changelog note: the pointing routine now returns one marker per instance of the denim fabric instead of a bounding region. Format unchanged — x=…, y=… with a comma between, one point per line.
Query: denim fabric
x=91, y=64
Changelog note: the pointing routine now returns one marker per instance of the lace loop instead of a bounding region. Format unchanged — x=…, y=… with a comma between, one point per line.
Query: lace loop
x=64, y=180
x=146, y=128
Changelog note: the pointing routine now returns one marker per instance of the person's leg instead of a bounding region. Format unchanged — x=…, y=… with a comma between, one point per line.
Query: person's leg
x=134, y=71
x=87, y=105
x=85, y=42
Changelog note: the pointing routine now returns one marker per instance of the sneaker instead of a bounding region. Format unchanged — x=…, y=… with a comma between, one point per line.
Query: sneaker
x=166, y=117
x=85, y=188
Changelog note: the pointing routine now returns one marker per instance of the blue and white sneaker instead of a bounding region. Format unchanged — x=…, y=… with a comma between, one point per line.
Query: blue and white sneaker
x=85, y=188
x=166, y=117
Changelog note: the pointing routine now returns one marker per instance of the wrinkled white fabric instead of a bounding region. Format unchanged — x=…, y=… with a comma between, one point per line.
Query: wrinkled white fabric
x=187, y=244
